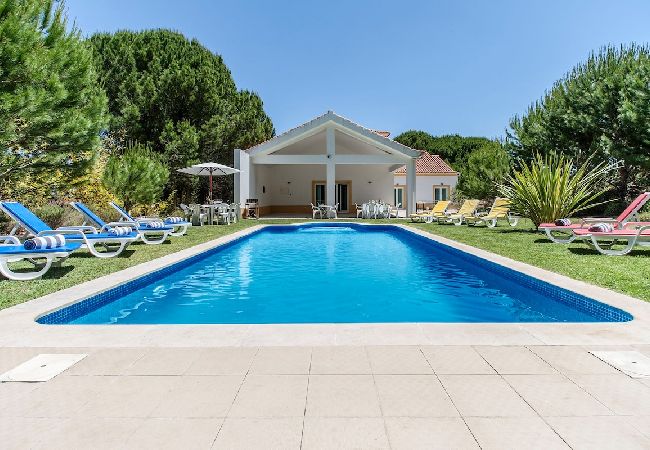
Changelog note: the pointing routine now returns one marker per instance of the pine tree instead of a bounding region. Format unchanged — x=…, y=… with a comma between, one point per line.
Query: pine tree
x=52, y=108
x=179, y=98
x=599, y=111
x=136, y=177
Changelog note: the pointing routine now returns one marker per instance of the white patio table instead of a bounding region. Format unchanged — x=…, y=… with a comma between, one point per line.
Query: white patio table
x=211, y=208
x=326, y=210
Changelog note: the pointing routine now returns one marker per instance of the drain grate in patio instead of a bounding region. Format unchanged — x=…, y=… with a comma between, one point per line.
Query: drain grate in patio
x=41, y=367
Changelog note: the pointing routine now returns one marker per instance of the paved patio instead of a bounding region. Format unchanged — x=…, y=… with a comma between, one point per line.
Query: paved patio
x=328, y=397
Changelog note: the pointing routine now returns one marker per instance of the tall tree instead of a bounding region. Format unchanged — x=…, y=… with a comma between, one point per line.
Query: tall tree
x=51, y=107
x=452, y=148
x=179, y=98
x=486, y=168
x=601, y=109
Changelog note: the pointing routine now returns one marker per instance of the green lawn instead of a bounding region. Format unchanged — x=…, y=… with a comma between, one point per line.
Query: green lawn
x=628, y=274
x=81, y=266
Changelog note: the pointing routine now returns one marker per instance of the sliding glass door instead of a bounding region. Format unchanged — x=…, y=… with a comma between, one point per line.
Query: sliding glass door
x=342, y=193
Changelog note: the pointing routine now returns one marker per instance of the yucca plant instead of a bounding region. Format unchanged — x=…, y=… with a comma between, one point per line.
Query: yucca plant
x=552, y=187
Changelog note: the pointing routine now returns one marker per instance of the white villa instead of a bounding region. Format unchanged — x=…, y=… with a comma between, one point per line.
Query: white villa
x=332, y=160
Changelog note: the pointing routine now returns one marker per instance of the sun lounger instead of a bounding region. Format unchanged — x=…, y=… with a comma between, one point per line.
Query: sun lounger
x=438, y=210
x=87, y=236
x=179, y=227
x=632, y=234
x=151, y=236
x=11, y=250
x=468, y=208
x=500, y=210
x=630, y=213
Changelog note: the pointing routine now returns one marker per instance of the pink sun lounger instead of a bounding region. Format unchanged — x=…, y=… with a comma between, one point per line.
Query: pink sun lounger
x=630, y=213
x=632, y=233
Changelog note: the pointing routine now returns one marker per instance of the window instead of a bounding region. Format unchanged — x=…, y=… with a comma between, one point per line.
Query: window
x=398, y=196
x=440, y=193
x=319, y=193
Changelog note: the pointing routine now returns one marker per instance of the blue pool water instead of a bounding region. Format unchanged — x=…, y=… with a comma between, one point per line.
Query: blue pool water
x=335, y=273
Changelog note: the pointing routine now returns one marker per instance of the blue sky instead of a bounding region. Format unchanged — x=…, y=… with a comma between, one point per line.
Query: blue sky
x=442, y=66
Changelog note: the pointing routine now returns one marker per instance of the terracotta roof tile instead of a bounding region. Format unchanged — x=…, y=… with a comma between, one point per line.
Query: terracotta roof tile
x=428, y=163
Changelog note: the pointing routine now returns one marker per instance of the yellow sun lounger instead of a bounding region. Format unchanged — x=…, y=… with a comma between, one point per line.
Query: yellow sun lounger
x=500, y=210
x=429, y=216
x=468, y=208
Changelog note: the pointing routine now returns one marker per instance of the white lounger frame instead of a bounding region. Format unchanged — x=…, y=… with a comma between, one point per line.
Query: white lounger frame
x=49, y=257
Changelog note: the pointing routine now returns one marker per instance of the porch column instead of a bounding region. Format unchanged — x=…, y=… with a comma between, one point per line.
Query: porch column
x=410, y=187
x=330, y=179
x=242, y=179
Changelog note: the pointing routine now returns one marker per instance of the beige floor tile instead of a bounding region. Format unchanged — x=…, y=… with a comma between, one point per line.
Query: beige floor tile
x=456, y=360
x=398, y=360
x=344, y=433
x=413, y=396
x=133, y=396
x=13, y=396
x=95, y=433
x=641, y=423
x=164, y=361
x=555, y=395
x=108, y=361
x=159, y=434
x=222, y=361
x=429, y=433
x=514, y=360
x=504, y=433
x=620, y=393
x=342, y=396
x=271, y=396
x=599, y=432
x=28, y=432
x=484, y=395
x=199, y=396
x=339, y=361
x=11, y=357
x=61, y=397
x=282, y=361
x=571, y=359
x=259, y=434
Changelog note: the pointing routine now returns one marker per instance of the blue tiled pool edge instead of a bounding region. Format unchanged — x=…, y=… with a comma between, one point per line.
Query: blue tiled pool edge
x=607, y=313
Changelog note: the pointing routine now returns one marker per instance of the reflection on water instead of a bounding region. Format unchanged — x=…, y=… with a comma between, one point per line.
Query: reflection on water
x=333, y=274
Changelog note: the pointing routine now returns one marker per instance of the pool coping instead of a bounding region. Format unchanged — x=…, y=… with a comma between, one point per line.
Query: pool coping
x=18, y=326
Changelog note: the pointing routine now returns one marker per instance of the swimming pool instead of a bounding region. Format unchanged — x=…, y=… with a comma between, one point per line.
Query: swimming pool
x=334, y=273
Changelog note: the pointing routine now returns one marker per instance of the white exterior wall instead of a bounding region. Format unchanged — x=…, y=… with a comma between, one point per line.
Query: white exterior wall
x=275, y=181
x=424, y=185
x=380, y=188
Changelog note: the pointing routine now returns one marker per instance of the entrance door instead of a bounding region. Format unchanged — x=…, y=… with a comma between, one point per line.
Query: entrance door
x=398, y=197
x=342, y=197
x=341, y=191
x=319, y=193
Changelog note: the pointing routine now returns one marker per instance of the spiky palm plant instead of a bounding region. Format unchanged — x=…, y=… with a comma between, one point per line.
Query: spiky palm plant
x=552, y=187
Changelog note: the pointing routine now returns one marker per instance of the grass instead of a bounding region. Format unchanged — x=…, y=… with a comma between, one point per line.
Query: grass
x=627, y=274
x=82, y=266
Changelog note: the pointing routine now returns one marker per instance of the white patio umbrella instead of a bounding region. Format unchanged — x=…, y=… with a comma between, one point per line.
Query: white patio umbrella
x=209, y=169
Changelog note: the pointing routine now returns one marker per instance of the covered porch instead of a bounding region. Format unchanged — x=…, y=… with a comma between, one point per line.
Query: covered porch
x=329, y=160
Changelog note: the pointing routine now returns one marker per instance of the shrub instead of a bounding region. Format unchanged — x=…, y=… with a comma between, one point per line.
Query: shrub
x=137, y=176
x=551, y=187
x=485, y=169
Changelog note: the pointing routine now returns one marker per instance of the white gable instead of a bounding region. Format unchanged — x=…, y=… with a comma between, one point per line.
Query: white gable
x=352, y=138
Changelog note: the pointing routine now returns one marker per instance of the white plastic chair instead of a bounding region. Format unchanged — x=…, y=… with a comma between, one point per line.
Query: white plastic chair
x=315, y=210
